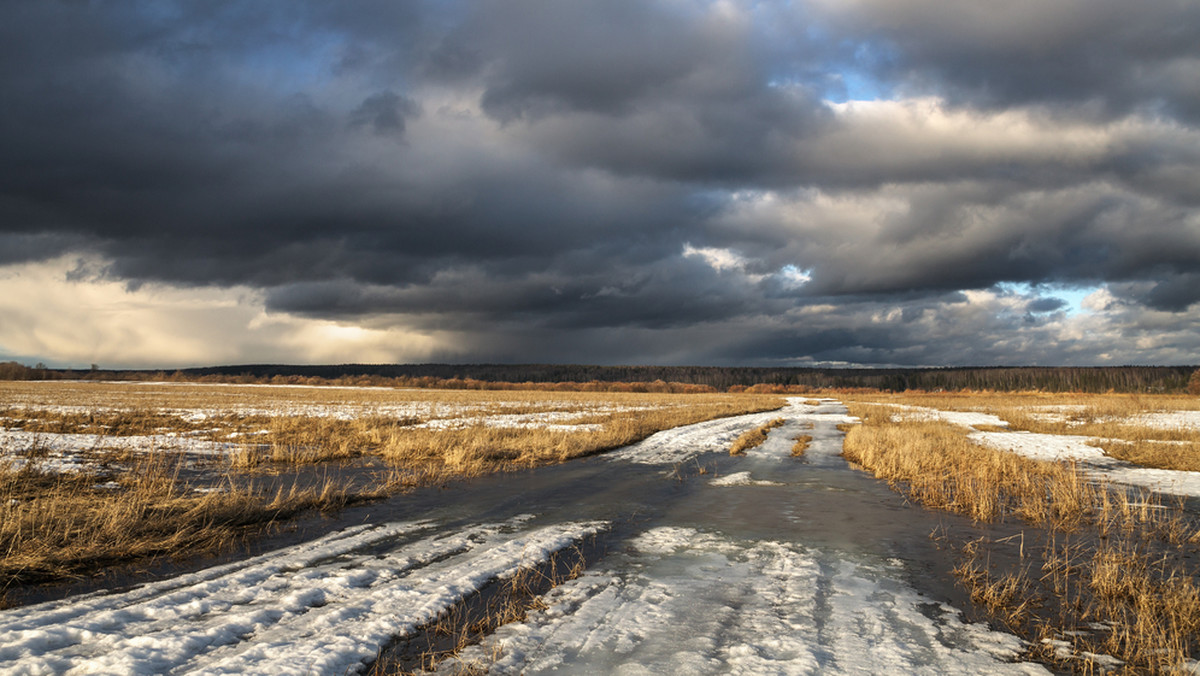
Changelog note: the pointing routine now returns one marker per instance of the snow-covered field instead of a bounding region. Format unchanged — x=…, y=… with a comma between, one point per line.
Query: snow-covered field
x=203, y=429
x=695, y=585
x=76, y=452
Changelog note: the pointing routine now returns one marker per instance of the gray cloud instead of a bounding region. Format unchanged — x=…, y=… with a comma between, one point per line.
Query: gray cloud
x=626, y=180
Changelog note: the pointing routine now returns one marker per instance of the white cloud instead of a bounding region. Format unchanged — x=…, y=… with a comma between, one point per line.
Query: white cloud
x=53, y=312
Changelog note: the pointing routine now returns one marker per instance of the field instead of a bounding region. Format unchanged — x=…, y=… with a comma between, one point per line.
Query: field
x=96, y=473
x=933, y=533
x=1106, y=573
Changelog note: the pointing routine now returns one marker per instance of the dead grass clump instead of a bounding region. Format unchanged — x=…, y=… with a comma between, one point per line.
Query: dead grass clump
x=1093, y=600
x=312, y=439
x=941, y=468
x=1125, y=587
x=754, y=438
x=471, y=621
x=1150, y=453
x=56, y=526
x=801, y=444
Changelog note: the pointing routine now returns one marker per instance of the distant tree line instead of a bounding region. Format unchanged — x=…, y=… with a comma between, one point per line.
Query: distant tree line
x=1148, y=379
x=1049, y=379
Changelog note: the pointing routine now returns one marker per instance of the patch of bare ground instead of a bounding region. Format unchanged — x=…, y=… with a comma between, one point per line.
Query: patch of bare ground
x=754, y=438
x=1109, y=578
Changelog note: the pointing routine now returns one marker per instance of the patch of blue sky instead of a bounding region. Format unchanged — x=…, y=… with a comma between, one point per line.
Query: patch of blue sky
x=1071, y=294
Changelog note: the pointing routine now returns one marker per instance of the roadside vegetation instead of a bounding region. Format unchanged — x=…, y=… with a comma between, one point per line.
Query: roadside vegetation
x=1095, y=570
x=55, y=526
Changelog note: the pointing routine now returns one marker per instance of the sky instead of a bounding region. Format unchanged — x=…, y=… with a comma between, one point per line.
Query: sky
x=787, y=183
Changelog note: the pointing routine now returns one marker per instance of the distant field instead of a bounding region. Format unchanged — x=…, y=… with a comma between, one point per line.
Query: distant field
x=1159, y=431
x=92, y=473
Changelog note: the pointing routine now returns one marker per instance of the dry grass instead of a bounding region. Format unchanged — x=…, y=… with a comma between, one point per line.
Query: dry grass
x=941, y=468
x=1110, y=418
x=754, y=438
x=54, y=526
x=801, y=445
x=481, y=449
x=1124, y=598
x=306, y=424
x=1150, y=453
x=1131, y=570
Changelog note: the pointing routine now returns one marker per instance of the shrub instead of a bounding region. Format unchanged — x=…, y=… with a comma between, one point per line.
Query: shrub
x=1194, y=383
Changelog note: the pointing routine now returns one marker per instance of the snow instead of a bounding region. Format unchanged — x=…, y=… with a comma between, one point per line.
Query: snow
x=324, y=607
x=1049, y=447
x=679, y=600
x=1168, y=420
x=682, y=444
x=741, y=479
x=1092, y=460
x=961, y=418
x=64, y=453
x=670, y=599
x=1073, y=448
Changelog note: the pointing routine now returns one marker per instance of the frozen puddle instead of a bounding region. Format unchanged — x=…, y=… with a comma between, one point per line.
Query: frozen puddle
x=324, y=607
x=683, y=601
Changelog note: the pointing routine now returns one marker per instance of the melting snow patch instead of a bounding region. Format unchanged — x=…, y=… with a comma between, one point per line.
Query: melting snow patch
x=681, y=444
x=961, y=418
x=700, y=603
x=741, y=479
x=1093, y=461
x=322, y=607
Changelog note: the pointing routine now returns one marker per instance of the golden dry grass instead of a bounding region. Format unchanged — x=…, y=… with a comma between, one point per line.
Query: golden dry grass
x=54, y=526
x=801, y=445
x=1110, y=418
x=754, y=438
x=941, y=468
x=309, y=424
x=1129, y=572
x=480, y=448
x=1151, y=453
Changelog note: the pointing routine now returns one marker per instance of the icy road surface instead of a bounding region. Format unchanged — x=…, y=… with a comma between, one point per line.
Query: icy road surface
x=709, y=564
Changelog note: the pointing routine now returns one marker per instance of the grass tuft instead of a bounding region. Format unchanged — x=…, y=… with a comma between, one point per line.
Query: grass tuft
x=754, y=438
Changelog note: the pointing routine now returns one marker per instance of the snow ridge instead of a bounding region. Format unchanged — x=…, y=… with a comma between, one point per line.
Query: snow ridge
x=324, y=607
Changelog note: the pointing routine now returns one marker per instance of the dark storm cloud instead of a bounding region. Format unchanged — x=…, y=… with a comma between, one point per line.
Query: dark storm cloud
x=1116, y=55
x=384, y=112
x=547, y=177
